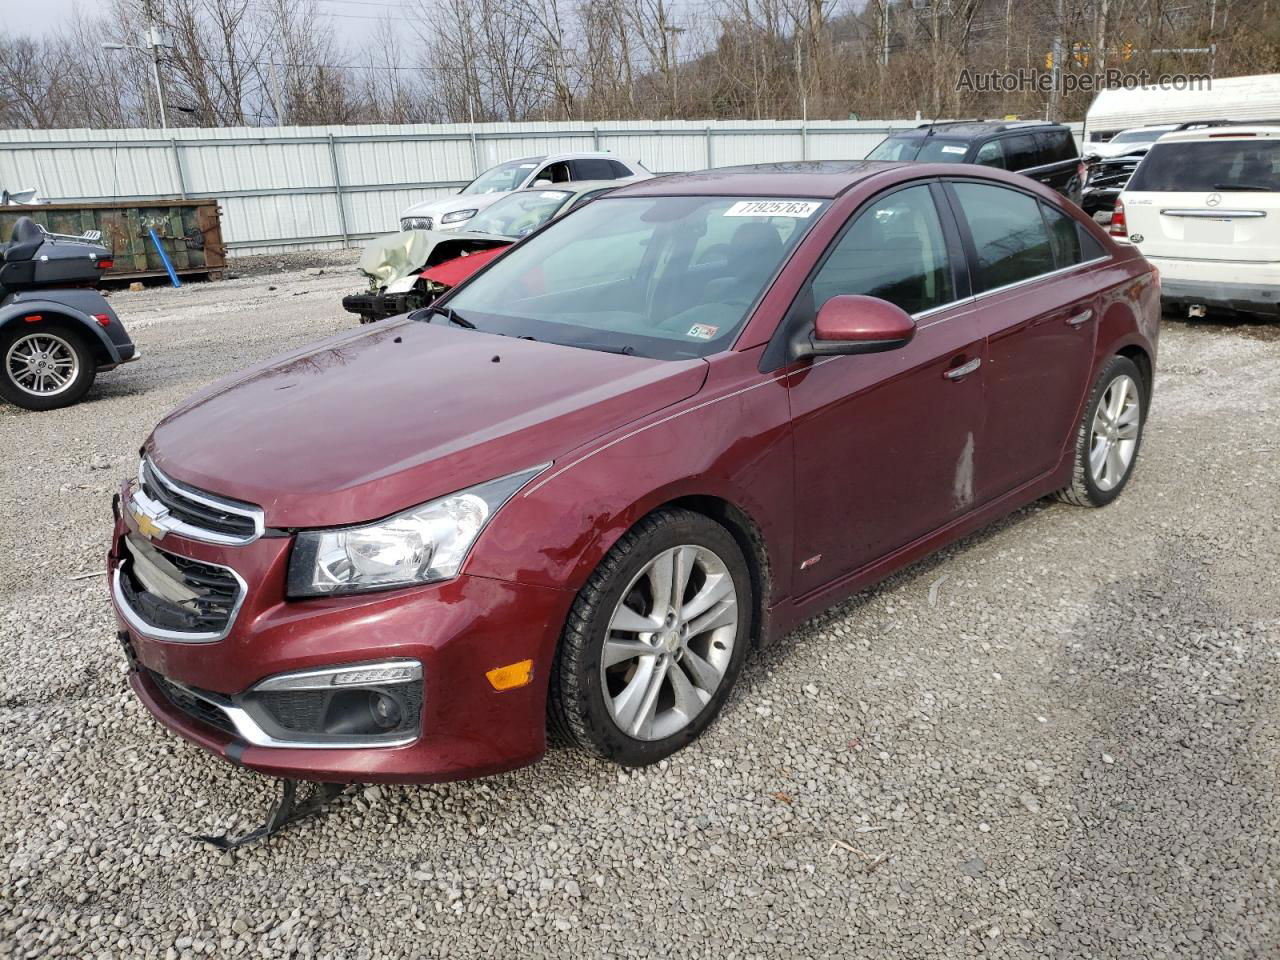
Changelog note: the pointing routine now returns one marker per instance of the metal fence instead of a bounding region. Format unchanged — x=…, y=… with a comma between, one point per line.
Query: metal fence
x=293, y=188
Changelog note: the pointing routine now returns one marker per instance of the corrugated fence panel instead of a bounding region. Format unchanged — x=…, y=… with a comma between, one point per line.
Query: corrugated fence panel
x=278, y=190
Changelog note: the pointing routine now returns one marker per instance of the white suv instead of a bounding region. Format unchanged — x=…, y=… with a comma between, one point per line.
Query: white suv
x=1204, y=207
x=452, y=212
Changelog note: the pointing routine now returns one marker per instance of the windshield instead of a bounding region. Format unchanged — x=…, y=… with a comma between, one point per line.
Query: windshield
x=519, y=214
x=502, y=178
x=663, y=277
x=921, y=150
x=1243, y=163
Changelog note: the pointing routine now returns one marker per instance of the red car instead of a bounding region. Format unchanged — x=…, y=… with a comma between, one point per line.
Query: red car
x=663, y=429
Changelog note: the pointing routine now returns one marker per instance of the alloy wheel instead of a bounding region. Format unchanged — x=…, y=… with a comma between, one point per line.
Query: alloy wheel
x=42, y=364
x=669, y=643
x=1113, y=439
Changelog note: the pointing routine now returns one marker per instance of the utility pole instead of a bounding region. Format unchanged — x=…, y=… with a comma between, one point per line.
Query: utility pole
x=884, y=32
x=156, y=40
x=155, y=43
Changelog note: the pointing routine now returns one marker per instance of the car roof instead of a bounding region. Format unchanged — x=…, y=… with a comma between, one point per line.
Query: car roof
x=1231, y=132
x=794, y=178
x=575, y=187
x=1153, y=128
x=974, y=128
x=576, y=155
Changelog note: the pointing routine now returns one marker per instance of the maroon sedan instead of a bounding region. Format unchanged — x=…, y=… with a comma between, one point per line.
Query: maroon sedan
x=658, y=432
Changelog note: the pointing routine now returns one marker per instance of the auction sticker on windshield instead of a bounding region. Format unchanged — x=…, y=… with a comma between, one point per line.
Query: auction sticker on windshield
x=773, y=208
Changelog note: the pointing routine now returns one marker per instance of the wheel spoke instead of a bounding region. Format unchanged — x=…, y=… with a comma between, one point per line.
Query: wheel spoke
x=1098, y=458
x=628, y=621
x=661, y=573
x=1115, y=464
x=1128, y=431
x=689, y=699
x=1119, y=395
x=703, y=673
x=681, y=567
x=722, y=614
x=617, y=650
x=642, y=723
x=626, y=705
x=716, y=588
x=1112, y=401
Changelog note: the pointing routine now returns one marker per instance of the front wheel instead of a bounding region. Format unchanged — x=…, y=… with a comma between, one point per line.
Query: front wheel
x=1109, y=435
x=44, y=365
x=654, y=641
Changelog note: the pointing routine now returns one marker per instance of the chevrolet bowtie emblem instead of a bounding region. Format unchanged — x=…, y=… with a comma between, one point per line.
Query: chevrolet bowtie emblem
x=147, y=527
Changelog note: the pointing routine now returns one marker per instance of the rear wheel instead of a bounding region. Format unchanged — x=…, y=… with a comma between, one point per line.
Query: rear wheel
x=44, y=365
x=654, y=641
x=1109, y=435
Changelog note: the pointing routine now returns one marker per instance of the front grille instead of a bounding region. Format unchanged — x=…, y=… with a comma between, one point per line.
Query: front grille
x=192, y=705
x=176, y=594
x=200, y=511
x=417, y=223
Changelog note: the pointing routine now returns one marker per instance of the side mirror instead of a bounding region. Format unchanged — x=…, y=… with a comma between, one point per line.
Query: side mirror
x=855, y=324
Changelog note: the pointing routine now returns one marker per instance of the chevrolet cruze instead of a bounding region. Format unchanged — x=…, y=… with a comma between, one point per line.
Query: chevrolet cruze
x=574, y=493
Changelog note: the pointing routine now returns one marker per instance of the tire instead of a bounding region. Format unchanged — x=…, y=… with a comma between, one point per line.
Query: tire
x=589, y=705
x=56, y=341
x=1090, y=487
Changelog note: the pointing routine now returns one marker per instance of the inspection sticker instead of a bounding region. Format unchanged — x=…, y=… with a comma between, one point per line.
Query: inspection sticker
x=954, y=149
x=773, y=208
x=702, y=331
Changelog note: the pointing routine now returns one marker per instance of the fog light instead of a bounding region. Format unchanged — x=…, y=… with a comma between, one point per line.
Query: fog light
x=386, y=710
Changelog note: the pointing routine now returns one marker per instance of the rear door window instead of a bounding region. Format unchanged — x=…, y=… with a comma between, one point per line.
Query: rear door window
x=1239, y=163
x=1010, y=239
x=991, y=154
x=1021, y=151
x=620, y=170
x=1064, y=238
x=593, y=168
x=1056, y=146
x=895, y=250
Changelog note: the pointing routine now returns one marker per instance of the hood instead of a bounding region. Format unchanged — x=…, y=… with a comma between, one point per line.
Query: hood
x=453, y=272
x=1108, y=151
x=438, y=206
x=388, y=259
x=362, y=426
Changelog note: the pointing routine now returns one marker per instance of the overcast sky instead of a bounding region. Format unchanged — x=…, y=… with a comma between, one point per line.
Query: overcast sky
x=39, y=17
x=355, y=18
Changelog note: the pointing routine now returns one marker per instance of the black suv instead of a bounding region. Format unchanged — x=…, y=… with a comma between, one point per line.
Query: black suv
x=1043, y=151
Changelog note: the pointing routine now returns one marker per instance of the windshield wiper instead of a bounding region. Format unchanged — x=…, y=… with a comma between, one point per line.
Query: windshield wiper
x=627, y=351
x=448, y=313
x=1246, y=186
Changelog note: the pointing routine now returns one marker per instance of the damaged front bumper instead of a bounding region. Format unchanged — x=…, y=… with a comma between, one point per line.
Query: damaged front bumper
x=372, y=307
x=279, y=690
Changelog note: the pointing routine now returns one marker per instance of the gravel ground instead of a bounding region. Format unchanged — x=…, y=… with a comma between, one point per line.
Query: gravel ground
x=1060, y=738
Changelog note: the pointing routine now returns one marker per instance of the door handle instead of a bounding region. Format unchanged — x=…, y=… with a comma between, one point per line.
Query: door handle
x=1079, y=318
x=955, y=373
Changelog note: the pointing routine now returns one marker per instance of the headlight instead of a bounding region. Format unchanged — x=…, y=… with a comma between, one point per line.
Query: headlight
x=458, y=216
x=420, y=545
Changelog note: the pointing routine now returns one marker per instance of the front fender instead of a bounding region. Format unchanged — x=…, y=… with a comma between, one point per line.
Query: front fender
x=76, y=305
x=731, y=441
